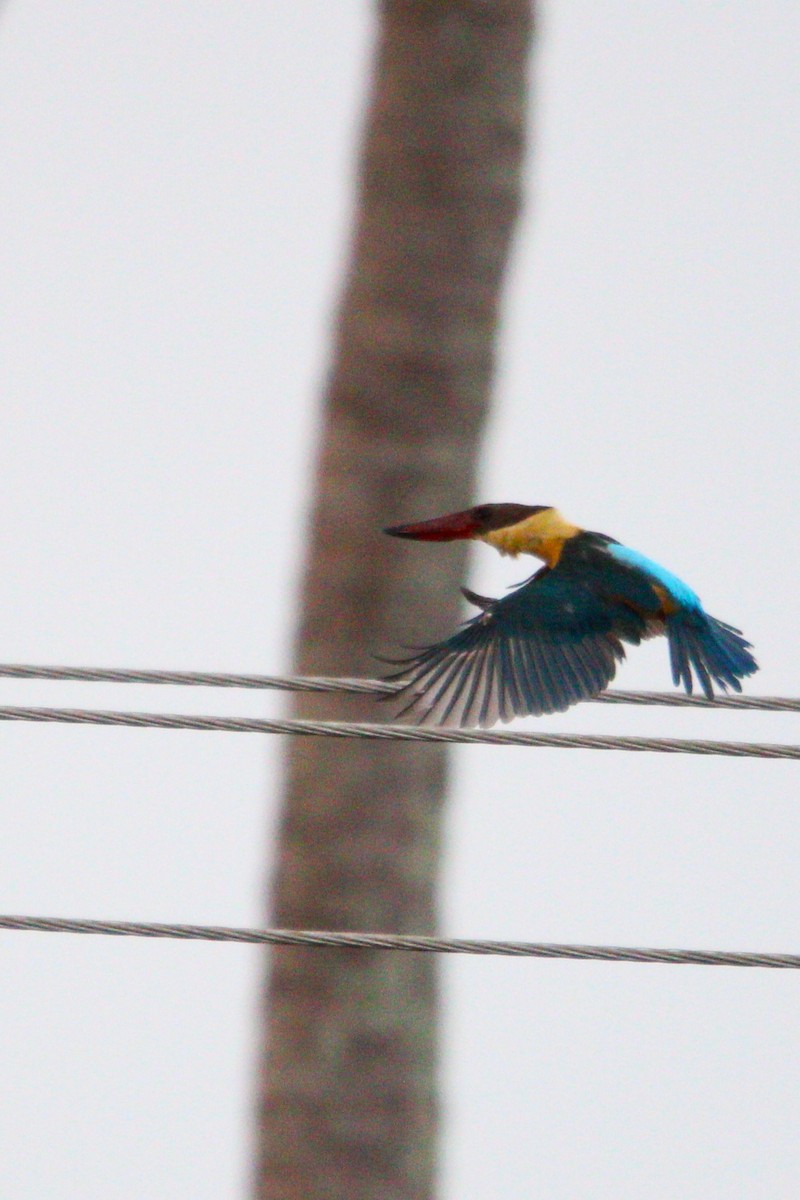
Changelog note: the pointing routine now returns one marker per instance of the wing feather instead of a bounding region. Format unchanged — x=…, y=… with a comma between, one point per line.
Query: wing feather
x=522, y=677
x=472, y=696
x=557, y=694
x=583, y=680
x=511, y=701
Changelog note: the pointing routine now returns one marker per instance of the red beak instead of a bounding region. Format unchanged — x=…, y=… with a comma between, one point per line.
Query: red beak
x=440, y=529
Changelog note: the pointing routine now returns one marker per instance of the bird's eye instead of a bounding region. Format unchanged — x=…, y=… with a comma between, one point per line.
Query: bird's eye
x=483, y=512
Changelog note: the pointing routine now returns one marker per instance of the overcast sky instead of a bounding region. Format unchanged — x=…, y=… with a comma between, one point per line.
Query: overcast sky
x=176, y=183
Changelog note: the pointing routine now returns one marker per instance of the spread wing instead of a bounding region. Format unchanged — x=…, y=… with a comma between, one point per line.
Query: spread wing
x=551, y=642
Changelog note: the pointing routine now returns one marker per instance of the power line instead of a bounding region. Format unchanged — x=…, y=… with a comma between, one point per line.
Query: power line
x=396, y=941
x=297, y=683
x=346, y=686
x=404, y=733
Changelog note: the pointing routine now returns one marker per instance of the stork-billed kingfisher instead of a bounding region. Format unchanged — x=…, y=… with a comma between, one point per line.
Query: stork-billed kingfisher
x=557, y=637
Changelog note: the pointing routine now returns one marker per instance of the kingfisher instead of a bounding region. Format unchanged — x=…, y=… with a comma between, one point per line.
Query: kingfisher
x=557, y=637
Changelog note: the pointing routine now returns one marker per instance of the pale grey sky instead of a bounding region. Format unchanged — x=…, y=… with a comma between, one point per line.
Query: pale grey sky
x=175, y=183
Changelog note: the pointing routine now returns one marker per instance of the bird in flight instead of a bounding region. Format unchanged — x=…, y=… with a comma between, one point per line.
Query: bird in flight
x=557, y=637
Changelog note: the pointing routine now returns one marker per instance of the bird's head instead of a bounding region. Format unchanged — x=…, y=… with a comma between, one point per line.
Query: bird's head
x=510, y=528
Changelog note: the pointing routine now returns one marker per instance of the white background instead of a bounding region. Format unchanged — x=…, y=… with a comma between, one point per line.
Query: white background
x=175, y=190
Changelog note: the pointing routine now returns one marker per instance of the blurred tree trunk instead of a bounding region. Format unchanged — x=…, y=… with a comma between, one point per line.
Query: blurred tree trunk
x=348, y=1104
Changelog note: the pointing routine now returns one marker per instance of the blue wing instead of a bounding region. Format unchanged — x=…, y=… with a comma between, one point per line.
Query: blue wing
x=553, y=641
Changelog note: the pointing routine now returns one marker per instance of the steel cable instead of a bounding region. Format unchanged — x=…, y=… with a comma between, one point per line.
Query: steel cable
x=375, y=687
x=404, y=733
x=405, y=942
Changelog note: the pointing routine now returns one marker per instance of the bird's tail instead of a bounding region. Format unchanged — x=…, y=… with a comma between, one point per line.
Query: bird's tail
x=717, y=652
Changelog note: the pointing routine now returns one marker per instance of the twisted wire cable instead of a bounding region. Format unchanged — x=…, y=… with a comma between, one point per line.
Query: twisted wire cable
x=377, y=687
x=404, y=733
x=404, y=942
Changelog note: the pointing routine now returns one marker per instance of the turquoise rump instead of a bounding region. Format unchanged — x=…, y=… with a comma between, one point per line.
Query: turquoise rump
x=557, y=637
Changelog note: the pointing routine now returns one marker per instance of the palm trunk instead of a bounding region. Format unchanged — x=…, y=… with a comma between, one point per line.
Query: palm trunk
x=348, y=1104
